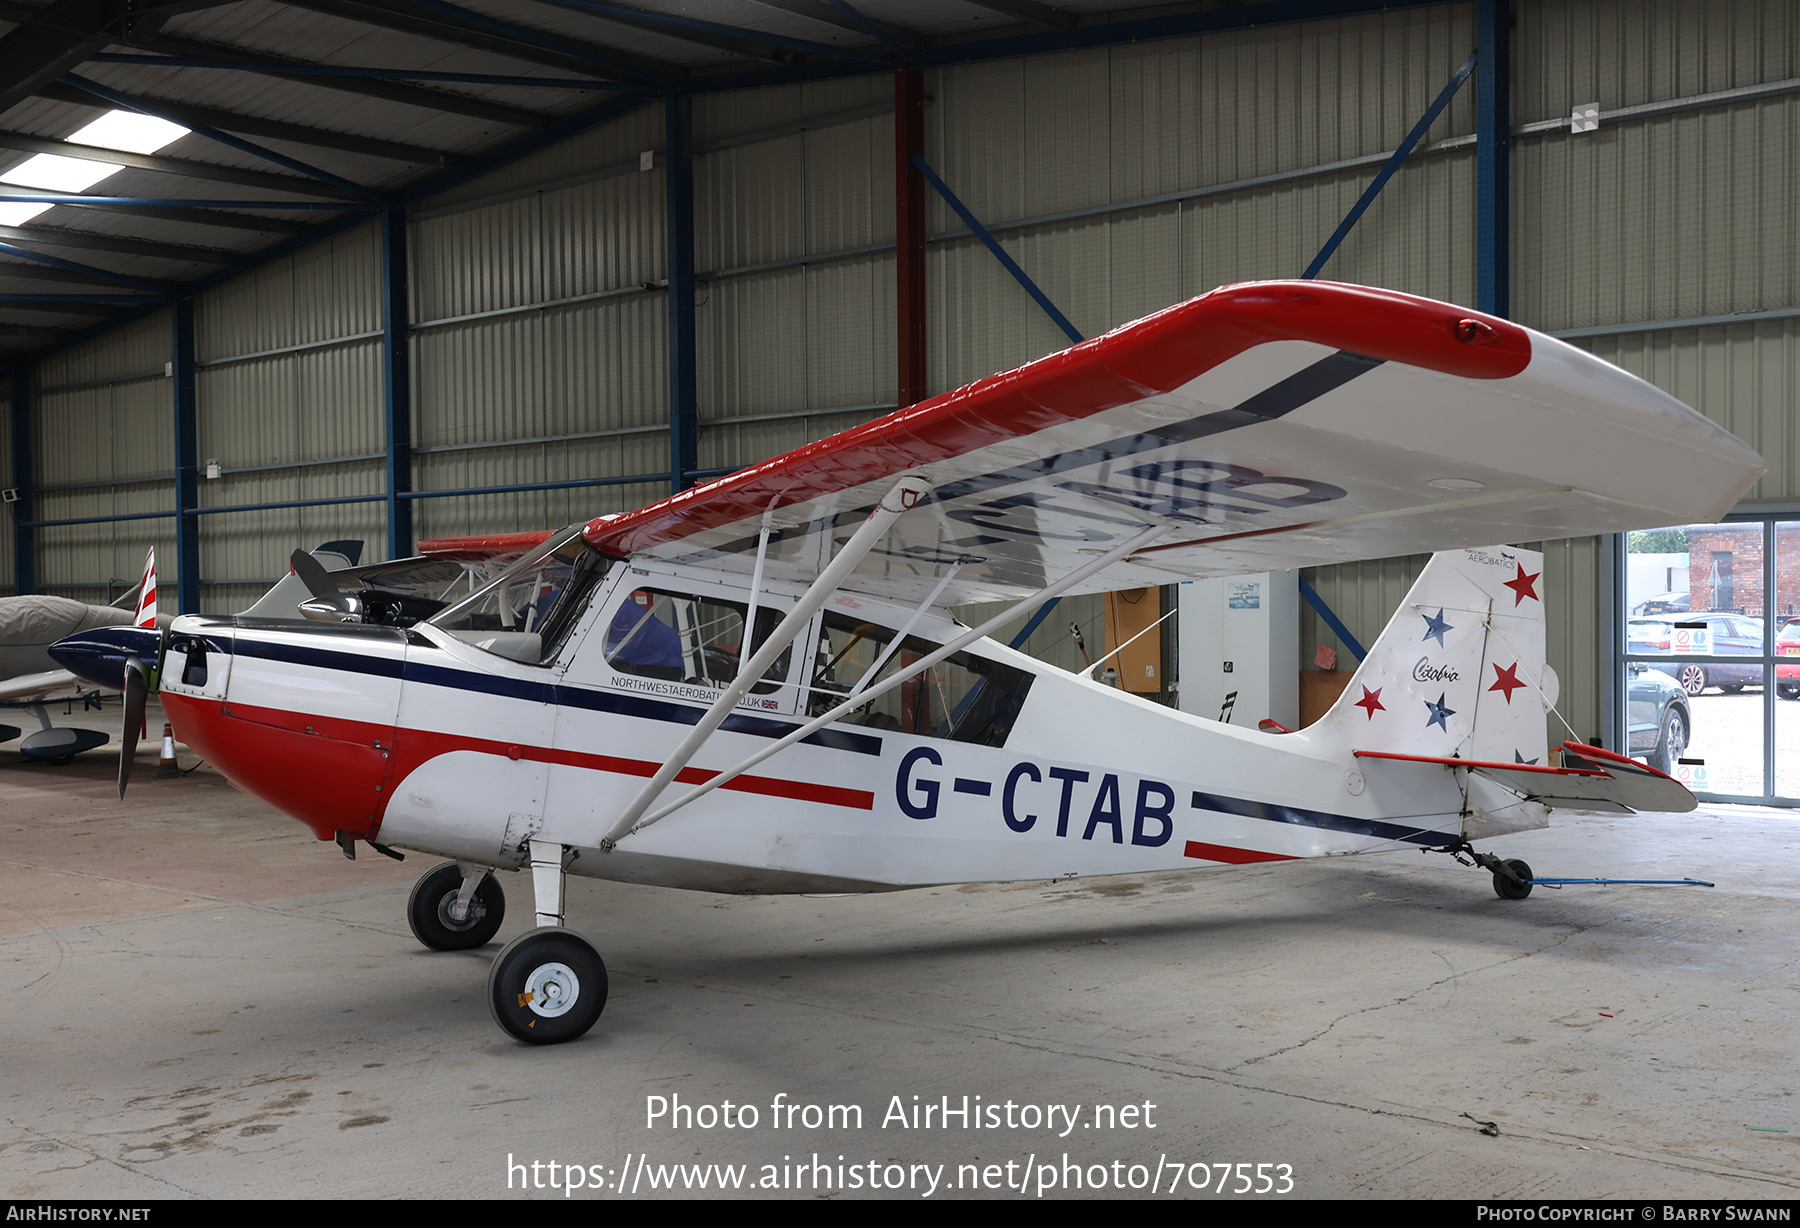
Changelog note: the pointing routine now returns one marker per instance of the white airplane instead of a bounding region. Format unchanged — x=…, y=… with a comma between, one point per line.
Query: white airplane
x=589, y=711
x=29, y=625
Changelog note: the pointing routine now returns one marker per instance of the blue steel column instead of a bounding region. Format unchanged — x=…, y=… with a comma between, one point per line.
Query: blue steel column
x=187, y=464
x=24, y=540
x=684, y=412
x=1493, y=185
x=396, y=380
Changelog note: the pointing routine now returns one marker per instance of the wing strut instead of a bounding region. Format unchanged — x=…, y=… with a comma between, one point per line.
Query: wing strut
x=904, y=496
x=620, y=830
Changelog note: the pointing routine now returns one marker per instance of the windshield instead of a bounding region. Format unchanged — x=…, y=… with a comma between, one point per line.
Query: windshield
x=526, y=614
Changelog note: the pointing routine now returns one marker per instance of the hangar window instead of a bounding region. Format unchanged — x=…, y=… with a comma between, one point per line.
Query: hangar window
x=1712, y=622
x=964, y=698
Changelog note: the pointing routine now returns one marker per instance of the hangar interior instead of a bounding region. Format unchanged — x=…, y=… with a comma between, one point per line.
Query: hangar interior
x=409, y=268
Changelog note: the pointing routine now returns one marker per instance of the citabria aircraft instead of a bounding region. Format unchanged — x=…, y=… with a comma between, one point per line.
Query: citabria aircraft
x=592, y=712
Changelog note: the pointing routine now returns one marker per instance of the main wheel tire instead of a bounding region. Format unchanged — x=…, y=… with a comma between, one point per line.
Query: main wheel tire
x=546, y=986
x=1693, y=679
x=1506, y=889
x=428, y=910
x=1671, y=742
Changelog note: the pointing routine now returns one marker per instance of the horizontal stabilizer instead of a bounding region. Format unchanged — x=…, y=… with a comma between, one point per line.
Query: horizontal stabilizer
x=1590, y=779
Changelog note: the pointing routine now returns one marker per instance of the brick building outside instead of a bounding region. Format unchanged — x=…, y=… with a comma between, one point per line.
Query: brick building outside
x=1725, y=569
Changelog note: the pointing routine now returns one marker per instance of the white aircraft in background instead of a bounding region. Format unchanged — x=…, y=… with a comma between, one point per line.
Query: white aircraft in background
x=592, y=710
x=29, y=625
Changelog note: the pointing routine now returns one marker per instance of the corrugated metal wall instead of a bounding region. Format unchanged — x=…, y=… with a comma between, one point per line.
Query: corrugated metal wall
x=103, y=445
x=289, y=397
x=539, y=349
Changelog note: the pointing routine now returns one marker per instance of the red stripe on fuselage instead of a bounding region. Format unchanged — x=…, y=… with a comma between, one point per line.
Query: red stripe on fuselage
x=336, y=775
x=1229, y=855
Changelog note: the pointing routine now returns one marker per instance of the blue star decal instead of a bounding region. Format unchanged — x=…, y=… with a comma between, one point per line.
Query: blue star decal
x=1439, y=712
x=1435, y=627
x=1519, y=757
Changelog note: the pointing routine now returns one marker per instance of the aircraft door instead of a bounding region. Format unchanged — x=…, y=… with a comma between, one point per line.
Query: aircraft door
x=470, y=756
x=651, y=657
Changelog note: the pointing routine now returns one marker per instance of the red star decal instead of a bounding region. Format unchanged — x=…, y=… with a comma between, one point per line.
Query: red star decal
x=1371, y=702
x=1507, y=681
x=1522, y=587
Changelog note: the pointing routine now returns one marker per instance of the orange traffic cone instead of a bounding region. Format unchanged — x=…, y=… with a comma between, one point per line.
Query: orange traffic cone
x=167, y=766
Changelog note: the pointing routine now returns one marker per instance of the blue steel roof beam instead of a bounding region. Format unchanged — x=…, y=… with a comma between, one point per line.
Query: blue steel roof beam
x=218, y=219
x=388, y=91
x=397, y=14
x=874, y=31
x=86, y=270
x=757, y=44
x=59, y=198
x=60, y=236
x=38, y=272
x=188, y=115
x=185, y=167
x=444, y=29
x=71, y=304
x=53, y=40
x=25, y=334
x=825, y=14
x=283, y=68
x=1145, y=29
x=1031, y=11
x=128, y=101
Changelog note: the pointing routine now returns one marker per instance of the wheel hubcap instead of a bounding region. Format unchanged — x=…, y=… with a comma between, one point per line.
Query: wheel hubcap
x=447, y=915
x=552, y=990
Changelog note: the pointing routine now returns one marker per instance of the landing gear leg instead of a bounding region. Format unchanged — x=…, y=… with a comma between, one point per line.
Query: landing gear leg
x=547, y=985
x=1512, y=879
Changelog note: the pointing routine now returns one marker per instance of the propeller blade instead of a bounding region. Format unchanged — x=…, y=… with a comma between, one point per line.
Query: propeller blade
x=312, y=573
x=137, y=694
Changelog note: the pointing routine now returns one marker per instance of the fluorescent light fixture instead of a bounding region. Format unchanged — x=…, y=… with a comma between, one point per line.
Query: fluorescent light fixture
x=126, y=131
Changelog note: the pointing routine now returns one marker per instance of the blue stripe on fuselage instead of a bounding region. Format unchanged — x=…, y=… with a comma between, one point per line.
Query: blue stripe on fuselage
x=1273, y=812
x=537, y=692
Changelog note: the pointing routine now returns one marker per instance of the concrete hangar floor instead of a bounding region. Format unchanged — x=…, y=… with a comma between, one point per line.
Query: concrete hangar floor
x=199, y=1000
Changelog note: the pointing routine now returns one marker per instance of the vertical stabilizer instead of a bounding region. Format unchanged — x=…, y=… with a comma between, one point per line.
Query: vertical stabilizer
x=1459, y=671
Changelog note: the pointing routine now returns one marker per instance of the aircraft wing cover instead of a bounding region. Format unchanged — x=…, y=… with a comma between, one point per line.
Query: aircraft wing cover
x=1266, y=425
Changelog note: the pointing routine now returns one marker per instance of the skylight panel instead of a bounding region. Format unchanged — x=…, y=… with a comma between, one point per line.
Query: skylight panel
x=122, y=130
x=130, y=132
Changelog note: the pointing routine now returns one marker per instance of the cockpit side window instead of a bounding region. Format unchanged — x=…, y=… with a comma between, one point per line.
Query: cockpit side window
x=681, y=637
x=964, y=698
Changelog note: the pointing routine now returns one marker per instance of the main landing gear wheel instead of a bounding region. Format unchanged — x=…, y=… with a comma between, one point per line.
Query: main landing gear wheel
x=547, y=986
x=430, y=910
x=1506, y=888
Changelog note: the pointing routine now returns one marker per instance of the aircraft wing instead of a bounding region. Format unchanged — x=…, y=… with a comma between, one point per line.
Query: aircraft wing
x=40, y=687
x=1265, y=426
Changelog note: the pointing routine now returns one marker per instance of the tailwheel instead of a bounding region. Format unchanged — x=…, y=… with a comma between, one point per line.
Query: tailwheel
x=547, y=985
x=448, y=912
x=1511, y=887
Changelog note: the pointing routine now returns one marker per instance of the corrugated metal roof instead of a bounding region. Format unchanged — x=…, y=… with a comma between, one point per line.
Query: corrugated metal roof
x=384, y=134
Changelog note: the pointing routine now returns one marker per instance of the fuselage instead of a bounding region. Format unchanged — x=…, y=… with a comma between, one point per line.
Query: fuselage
x=467, y=745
